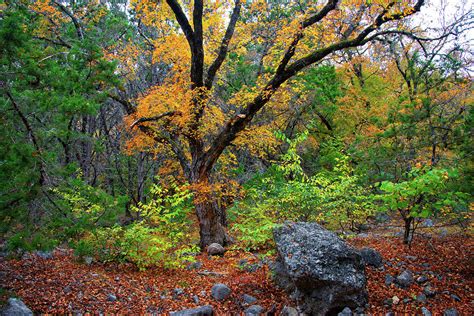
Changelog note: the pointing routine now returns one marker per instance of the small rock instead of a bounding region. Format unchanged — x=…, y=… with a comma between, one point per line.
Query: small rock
x=425, y=311
x=177, y=292
x=428, y=223
x=388, y=302
x=425, y=265
x=345, y=312
x=428, y=291
x=382, y=218
x=400, y=263
x=196, y=299
x=253, y=310
x=220, y=291
x=443, y=233
x=194, y=265
x=411, y=258
x=405, y=279
x=248, y=299
x=289, y=311
x=215, y=249
x=199, y=311
x=15, y=307
x=371, y=257
x=111, y=298
x=455, y=297
x=451, y=312
x=389, y=279
x=406, y=300
x=88, y=260
x=421, y=298
x=395, y=300
x=44, y=254
x=390, y=314
x=422, y=279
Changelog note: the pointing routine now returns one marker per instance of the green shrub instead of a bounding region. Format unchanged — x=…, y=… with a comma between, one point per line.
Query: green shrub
x=160, y=238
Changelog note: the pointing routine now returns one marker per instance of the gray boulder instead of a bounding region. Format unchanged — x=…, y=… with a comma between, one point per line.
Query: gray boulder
x=318, y=269
x=425, y=312
x=289, y=311
x=15, y=307
x=451, y=312
x=345, y=312
x=215, y=249
x=220, y=291
x=405, y=279
x=199, y=311
x=253, y=310
x=371, y=257
x=248, y=299
x=44, y=254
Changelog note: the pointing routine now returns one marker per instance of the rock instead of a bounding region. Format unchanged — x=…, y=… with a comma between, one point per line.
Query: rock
x=215, y=250
x=455, y=297
x=425, y=265
x=345, y=312
x=425, y=311
x=371, y=257
x=194, y=265
x=395, y=300
x=382, y=218
x=44, y=254
x=443, y=233
x=196, y=299
x=199, y=311
x=248, y=299
x=451, y=312
x=421, y=298
x=411, y=258
x=427, y=223
x=220, y=291
x=289, y=311
x=389, y=279
x=253, y=310
x=428, y=291
x=388, y=302
x=178, y=291
x=318, y=269
x=15, y=307
x=405, y=279
x=422, y=279
x=111, y=298
x=390, y=314
x=88, y=260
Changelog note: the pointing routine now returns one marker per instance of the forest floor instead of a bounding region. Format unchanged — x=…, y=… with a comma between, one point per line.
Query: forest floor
x=63, y=285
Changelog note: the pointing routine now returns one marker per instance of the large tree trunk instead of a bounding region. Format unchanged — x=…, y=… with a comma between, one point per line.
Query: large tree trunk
x=211, y=229
x=210, y=215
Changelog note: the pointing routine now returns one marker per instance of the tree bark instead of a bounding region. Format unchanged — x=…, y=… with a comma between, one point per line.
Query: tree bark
x=407, y=235
x=211, y=229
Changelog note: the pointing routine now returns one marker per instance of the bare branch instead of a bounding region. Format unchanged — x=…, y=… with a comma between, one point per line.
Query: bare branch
x=211, y=73
x=154, y=118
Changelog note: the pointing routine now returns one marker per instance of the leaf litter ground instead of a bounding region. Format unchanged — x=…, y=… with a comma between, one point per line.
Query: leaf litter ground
x=63, y=285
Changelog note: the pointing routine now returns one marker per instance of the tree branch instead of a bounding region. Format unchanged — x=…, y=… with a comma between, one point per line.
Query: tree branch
x=242, y=119
x=211, y=73
x=183, y=21
x=154, y=118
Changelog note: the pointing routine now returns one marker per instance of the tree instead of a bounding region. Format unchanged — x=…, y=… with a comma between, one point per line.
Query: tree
x=425, y=194
x=177, y=113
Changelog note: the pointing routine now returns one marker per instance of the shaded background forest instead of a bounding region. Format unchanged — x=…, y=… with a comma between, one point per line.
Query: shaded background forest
x=383, y=128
